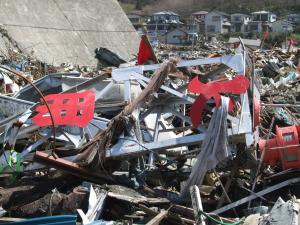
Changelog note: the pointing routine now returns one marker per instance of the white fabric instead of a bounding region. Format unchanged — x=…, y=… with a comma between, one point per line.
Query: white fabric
x=214, y=148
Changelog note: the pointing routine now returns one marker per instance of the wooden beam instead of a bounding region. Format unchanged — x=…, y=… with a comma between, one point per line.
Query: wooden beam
x=72, y=168
x=159, y=217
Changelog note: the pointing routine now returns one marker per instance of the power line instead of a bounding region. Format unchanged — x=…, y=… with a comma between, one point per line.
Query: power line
x=64, y=29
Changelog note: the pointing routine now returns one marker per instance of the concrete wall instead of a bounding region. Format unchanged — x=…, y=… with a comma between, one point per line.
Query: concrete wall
x=69, y=30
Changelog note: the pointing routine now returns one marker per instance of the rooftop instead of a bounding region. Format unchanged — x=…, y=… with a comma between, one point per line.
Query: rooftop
x=219, y=12
x=261, y=12
x=178, y=29
x=200, y=13
x=294, y=14
x=165, y=13
x=241, y=14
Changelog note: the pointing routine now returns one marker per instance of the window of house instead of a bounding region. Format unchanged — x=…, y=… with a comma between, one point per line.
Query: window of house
x=216, y=18
x=160, y=27
x=256, y=18
x=211, y=28
x=264, y=17
x=254, y=27
x=177, y=37
x=238, y=28
x=236, y=18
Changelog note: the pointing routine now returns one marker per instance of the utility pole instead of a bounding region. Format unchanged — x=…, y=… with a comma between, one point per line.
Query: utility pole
x=193, y=31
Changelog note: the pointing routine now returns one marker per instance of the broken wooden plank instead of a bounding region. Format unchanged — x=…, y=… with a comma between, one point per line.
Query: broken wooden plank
x=147, y=210
x=159, y=217
x=72, y=168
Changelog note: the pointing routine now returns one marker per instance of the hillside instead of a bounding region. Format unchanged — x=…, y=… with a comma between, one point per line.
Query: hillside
x=185, y=7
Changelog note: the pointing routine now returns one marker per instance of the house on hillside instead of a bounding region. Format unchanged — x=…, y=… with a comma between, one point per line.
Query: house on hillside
x=192, y=25
x=163, y=21
x=261, y=21
x=239, y=22
x=153, y=39
x=137, y=20
x=198, y=20
x=217, y=22
x=282, y=26
x=294, y=19
x=177, y=37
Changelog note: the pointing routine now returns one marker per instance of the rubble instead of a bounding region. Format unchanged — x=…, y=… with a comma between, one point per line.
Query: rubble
x=211, y=138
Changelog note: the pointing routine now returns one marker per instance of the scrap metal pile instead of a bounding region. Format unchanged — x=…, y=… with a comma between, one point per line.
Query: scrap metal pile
x=214, y=140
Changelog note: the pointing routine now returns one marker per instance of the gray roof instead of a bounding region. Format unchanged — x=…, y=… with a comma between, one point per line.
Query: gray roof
x=177, y=29
x=283, y=21
x=219, y=12
x=200, y=13
x=241, y=14
x=294, y=15
x=69, y=30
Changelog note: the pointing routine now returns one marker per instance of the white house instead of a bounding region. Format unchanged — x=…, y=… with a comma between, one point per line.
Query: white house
x=165, y=16
x=163, y=21
x=198, y=19
x=239, y=22
x=282, y=26
x=294, y=19
x=177, y=36
x=217, y=22
x=264, y=16
x=200, y=16
x=137, y=20
x=261, y=21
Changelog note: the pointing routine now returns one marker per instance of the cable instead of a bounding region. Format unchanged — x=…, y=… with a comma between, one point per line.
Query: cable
x=200, y=213
x=165, y=158
x=75, y=30
x=19, y=74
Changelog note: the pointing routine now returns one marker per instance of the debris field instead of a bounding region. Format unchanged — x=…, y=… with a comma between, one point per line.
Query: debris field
x=209, y=136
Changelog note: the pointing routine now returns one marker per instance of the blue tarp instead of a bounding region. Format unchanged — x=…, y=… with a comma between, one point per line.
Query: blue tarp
x=49, y=220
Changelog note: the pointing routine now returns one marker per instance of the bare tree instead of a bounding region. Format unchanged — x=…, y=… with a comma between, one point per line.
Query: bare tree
x=139, y=4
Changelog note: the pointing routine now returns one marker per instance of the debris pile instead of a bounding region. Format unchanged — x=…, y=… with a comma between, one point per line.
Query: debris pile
x=201, y=49
x=212, y=138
